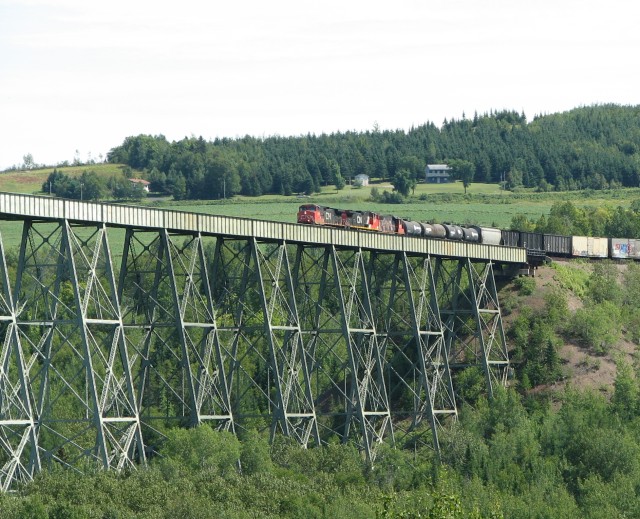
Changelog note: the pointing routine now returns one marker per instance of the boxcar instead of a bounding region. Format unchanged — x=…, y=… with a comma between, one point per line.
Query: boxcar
x=588, y=247
x=623, y=248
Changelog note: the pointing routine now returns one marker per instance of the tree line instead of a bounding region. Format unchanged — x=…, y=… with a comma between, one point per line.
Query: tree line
x=91, y=186
x=594, y=147
x=567, y=219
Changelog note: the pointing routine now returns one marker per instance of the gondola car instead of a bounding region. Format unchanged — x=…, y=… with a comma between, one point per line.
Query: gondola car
x=556, y=245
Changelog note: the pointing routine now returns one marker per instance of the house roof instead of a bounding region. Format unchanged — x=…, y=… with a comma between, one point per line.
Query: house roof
x=140, y=181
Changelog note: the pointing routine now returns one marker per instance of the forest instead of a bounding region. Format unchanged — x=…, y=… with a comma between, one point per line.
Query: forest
x=595, y=147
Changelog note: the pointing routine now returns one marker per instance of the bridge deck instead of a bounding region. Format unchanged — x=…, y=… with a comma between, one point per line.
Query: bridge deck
x=22, y=207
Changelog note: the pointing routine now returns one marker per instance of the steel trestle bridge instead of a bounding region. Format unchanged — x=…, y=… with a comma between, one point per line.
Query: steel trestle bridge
x=118, y=322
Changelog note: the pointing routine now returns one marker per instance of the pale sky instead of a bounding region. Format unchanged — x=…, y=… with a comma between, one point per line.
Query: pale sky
x=81, y=75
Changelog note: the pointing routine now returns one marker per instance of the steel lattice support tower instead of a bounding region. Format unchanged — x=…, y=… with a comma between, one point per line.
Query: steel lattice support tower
x=473, y=322
x=412, y=334
x=69, y=315
x=165, y=288
x=368, y=402
x=295, y=411
x=20, y=458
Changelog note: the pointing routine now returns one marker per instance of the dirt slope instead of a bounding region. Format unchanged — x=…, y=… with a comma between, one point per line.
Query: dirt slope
x=582, y=369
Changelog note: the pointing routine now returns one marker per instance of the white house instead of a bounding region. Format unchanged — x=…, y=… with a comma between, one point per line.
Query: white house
x=437, y=174
x=144, y=183
x=362, y=179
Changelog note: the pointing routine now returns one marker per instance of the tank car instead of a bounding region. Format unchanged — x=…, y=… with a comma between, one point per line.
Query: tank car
x=454, y=232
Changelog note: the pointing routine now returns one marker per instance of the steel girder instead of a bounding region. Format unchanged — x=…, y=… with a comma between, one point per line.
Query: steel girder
x=309, y=340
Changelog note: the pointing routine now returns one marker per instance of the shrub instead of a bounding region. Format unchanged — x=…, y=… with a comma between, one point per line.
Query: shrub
x=597, y=326
x=525, y=285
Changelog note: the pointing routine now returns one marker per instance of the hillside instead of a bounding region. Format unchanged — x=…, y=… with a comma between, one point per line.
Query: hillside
x=582, y=363
x=595, y=147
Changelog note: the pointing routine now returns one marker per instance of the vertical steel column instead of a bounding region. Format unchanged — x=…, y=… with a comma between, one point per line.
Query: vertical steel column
x=295, y=413
x=19, y=457
x=369, y=403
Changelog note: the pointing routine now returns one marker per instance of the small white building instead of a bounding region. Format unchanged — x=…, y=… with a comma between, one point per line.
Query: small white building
x=362, y=179
x=144, y=183
x=437, y=174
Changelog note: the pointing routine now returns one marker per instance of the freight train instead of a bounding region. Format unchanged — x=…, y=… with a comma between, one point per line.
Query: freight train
x=538, y=245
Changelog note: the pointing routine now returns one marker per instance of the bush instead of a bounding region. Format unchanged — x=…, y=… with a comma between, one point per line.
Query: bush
x=525, y=285
x=597, y=326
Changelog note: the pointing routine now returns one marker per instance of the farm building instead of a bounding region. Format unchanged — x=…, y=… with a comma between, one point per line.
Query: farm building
x=437, y=174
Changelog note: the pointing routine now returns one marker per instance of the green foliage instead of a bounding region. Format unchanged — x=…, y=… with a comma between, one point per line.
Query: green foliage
x=536, y=342
x=462, y=170
x=597, y=326
x=254, y=455
x=625, y=396
x=525, y=285
x=403, y=182
x=571, y=278
x=556, y=308
x=603, y=284
x=202, y=448
x=501, y=460
x=90, y=186
x=521, y=223
x=470, y=384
